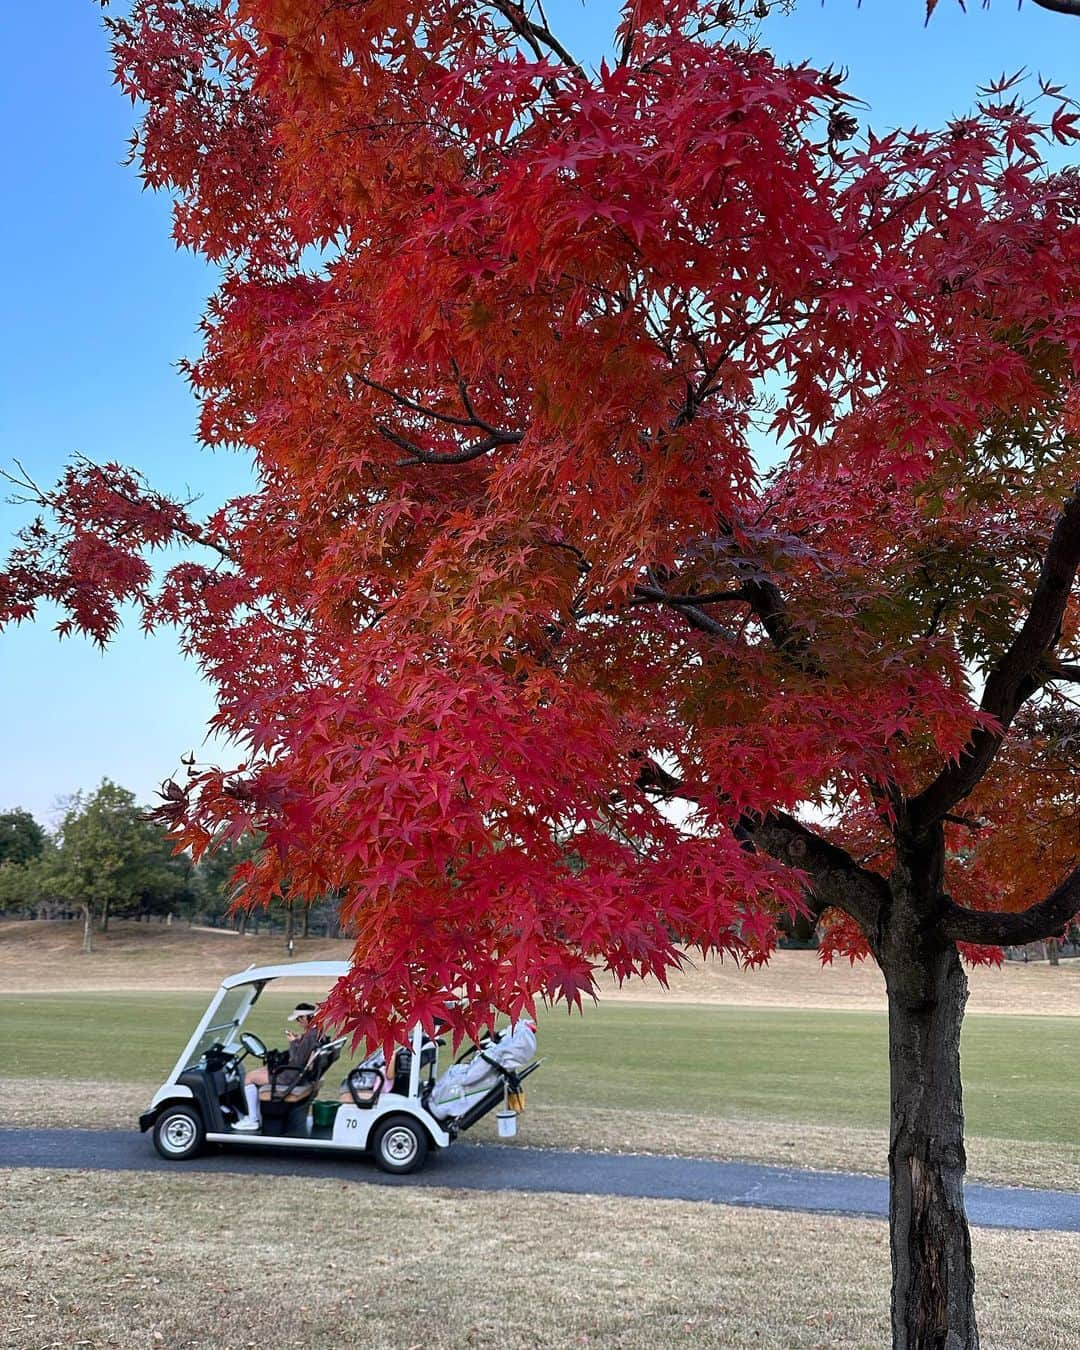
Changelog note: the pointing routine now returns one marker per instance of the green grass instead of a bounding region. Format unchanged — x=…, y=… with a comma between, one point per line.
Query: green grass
x=819, y=1068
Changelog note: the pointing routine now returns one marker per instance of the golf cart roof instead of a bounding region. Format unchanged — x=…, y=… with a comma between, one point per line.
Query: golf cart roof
x=316, y=970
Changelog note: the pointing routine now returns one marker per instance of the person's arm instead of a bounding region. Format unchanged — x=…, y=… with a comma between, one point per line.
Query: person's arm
x=300, y=1047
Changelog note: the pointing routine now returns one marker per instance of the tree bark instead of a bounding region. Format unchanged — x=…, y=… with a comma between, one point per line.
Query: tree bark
x=88, y=930
x=105, y=916
x=933, y=1277
x=933, y=1295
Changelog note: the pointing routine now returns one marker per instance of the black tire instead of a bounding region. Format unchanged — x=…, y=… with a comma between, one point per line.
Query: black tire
x=179, y=1133
x=400, y=1145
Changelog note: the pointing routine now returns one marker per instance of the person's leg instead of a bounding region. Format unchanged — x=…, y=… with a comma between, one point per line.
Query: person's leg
x=253, y=1080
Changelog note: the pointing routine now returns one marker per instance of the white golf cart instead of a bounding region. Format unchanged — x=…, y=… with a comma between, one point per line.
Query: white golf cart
x=202, y=1100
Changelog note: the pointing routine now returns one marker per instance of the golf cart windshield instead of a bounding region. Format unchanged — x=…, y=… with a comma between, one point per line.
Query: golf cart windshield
x=225, y=1022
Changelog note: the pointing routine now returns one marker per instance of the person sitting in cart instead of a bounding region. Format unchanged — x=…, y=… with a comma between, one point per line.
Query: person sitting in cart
x=305, y=1039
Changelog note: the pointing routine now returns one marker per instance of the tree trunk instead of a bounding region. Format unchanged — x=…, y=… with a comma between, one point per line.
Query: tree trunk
x=933, y=1296
x=88, y=930
x=289, y=924
x=1053, y=951
x=307, y=921
x=105, y=916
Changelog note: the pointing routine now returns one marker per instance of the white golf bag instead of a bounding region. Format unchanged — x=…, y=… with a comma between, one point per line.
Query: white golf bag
x=470, y=1079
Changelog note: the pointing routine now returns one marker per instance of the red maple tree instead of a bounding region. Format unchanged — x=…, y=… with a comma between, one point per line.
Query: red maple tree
x=666, y=527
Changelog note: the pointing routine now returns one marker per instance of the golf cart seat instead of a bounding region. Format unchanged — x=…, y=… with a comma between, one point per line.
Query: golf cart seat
x=289, y=1086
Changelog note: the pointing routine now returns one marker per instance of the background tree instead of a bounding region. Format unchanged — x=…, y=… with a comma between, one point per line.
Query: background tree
x=110, y=859
x=214, y=886
x=218, y=894
x=165, y=883
x=27, y=885
x=509, y=342
x=21, y=837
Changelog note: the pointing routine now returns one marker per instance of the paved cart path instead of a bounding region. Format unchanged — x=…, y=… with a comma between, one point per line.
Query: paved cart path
x=490, y=1167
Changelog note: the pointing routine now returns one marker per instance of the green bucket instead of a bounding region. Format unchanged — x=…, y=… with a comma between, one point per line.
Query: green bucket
x=323, y=1113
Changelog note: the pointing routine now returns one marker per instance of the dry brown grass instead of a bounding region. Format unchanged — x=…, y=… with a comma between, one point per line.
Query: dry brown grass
x=794, y=979
x=227, y=1263
x=35, y=1103
x=37, y=957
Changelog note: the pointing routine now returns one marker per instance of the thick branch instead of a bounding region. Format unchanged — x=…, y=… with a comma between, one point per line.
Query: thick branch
x=836, y=879
x=688, y=607
x=768, y=604
x=418, y=455
x=697, y=618
x=1016, y=676
x=1061, y=6
x=660, y=597
x=653, y=777
x=969, y=822
x=998, y=929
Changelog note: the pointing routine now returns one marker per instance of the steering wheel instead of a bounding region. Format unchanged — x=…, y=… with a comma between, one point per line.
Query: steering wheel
x=252, y=1045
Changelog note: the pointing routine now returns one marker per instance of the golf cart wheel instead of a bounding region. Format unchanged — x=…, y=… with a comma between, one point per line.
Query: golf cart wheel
x=400, y=1145
x=178, y=1133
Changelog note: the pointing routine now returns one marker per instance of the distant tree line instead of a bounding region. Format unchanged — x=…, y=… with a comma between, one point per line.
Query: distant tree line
x=106, y=860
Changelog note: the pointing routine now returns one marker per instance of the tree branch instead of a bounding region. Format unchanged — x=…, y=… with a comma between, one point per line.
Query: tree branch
x=653, y=777
x=1061, y=6
x=969, y=822
x=1069, y=673
x=999, y=929
x=697, y=618
x=687, y=606
x=1016, y=676
x=404, y=401
x=174, y=513
x=770, y=608
x=765, y=600
x=418, y=455
x=654, y=594
x=467, y=403
x=836, y=879
x=536, y=34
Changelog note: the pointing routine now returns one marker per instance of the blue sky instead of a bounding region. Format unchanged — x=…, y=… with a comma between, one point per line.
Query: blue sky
x=99, y=306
